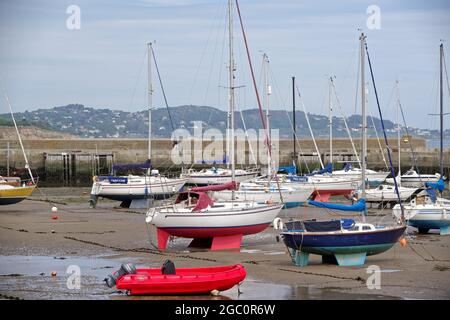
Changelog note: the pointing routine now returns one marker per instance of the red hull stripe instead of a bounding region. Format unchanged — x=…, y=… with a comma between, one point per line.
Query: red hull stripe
x=205, y=232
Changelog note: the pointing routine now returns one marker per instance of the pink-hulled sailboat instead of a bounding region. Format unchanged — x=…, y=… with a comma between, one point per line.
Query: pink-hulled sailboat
x=216, y=225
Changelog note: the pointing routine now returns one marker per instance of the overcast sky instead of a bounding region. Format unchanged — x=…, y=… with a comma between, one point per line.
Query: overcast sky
x=44, y=64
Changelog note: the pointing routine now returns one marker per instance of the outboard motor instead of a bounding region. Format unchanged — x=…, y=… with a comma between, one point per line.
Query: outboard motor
x=126, y=268
x=168, y=267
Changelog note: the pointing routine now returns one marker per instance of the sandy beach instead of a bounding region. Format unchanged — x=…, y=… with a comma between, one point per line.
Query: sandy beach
x=33, y=245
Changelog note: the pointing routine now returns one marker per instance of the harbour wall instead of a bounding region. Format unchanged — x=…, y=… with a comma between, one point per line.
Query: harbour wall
x=73, y=162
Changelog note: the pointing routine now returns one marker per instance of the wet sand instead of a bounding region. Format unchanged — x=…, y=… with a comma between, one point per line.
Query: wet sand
x=33, y=245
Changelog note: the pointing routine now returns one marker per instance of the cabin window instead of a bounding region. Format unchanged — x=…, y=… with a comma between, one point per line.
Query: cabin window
x=366, y=228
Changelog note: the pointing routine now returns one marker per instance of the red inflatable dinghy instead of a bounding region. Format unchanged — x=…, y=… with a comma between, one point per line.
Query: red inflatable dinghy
x=184, y=281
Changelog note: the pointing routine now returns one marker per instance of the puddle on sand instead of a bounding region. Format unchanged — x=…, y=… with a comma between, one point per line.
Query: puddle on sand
x=30, y=277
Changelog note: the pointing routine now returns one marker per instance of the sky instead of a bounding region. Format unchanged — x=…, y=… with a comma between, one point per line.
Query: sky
x=102, y=64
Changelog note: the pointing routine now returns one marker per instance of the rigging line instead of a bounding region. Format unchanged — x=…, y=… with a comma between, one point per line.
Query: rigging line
x=138, y=78
x=345, y=122
x=247, y=137
x=211, y=69
x=410, y=145
x=261, y=114
x=162, y=88
x=283, y=102
x=379, y=142
x=297, y=141
x=357, y=84
x=384, y=131
x=309, y=126
x=446, y=74
x=194, y=82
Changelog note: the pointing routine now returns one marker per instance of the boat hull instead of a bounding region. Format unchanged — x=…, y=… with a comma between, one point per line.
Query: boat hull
x=157, y=189
x=15, y=195
x=426, y=216
x=215, y=230
x=217, y=179
x=291, y=199
x=186, y=281
x=369, y=243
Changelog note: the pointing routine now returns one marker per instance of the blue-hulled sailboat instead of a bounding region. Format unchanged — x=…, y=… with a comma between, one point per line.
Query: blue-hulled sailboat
x=343, y=241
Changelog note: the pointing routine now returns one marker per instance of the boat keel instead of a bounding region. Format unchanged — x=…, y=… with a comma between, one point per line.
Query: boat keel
x=299, y=258
x=163, y=237
x=445, y=231
x=218, y=243
x=351, y=259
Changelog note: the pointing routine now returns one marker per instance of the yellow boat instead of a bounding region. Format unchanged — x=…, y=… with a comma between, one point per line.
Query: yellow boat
x=14, y=194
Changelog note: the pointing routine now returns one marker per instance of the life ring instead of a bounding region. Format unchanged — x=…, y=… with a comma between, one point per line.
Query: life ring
x=278, y=224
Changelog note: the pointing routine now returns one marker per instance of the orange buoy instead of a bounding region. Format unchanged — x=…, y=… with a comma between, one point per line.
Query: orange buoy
x=403, y=242
x=53, y=273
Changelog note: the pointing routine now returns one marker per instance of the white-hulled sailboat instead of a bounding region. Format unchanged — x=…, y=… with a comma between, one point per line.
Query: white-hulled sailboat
x=429, y=211
x=133, y=187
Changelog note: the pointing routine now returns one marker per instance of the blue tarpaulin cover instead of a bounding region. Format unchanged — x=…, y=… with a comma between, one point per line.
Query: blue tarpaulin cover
x=327, y=169
x=128, y=166
x=288, y=169
x=358, y=206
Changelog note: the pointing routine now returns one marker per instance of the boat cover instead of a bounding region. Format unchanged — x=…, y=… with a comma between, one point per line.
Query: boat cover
x=358, y=206
x=439, y=185
x=200, y=199
x=129, y=166
x=289, y=170
x=327, y=169
x=219, y=187
x=322, y=226
x=432, y=194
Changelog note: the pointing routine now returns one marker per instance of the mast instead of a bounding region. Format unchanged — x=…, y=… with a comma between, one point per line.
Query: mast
x=149, y=102
x=362, y=39
x=399, y=174
x=294, y=135
x=27, y=165
x=231, y=88
x=330, y=120
x=267, y=90
x=441, y=113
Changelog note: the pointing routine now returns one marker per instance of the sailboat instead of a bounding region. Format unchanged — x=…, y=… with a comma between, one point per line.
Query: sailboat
x=387, y=193
x=266, y=190
x=429, y=211
x=343, y=241
x=133, y=187
x=216, y=225
x=13, y=189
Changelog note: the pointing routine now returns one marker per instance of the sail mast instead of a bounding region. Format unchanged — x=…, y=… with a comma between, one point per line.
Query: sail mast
x=364, y=120
x=330, y=105
x=27, y=165
x=399, y=174
x=294, y=127
x=441, y=113
x=231, y=88
x=149, y=102
x=267, y=92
